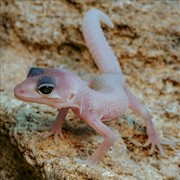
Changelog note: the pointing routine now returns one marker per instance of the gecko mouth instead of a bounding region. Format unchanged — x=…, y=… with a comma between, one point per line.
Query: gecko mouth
x=24, y=98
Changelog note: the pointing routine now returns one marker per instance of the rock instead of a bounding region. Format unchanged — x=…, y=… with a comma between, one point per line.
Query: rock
x=48, y=33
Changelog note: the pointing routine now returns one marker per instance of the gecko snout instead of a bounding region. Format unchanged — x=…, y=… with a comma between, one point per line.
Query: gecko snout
x=19, y=92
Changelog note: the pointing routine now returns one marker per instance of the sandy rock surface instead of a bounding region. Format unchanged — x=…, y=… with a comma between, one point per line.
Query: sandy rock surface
x=146, y=40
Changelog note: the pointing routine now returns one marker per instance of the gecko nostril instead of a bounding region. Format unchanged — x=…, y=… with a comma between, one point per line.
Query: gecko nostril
x=19, y=92
x=22, y=91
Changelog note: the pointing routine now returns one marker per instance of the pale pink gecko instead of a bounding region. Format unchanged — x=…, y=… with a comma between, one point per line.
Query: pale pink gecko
x=104, y=99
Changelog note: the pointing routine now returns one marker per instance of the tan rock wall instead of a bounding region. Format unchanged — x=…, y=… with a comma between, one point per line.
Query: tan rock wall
x=146, y=40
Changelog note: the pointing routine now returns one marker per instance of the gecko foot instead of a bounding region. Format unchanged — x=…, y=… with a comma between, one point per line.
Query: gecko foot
x=54, y=130
x=154, y=140
x=86, y=162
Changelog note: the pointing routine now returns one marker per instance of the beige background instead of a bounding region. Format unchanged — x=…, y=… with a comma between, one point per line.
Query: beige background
x=146, y=40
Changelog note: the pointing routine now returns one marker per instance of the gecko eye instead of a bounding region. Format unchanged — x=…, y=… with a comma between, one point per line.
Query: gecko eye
x=45, y=85
x=45, y=88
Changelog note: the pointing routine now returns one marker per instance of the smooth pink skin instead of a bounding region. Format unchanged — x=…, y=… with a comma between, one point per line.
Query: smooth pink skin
x=107, y=97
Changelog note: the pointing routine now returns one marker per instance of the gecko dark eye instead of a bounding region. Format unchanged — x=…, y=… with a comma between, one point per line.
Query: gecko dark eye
x=45, y=88
x=45, y=85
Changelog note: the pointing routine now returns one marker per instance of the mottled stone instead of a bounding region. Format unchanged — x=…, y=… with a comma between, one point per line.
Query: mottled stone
x=48, y=34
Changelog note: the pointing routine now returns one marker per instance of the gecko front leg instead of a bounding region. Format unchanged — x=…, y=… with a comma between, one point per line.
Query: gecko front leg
x=109, y=139
x=153, y=137
x=56, y=128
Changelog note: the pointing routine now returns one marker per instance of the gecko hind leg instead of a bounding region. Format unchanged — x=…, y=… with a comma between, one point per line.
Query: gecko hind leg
x=153, y=137
x=109, y=139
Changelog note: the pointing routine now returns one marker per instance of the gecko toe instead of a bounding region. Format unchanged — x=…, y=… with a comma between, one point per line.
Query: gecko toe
x=56, y=138
x=152, y=149
x=160, y=149
x=47, y=134
x=147, y=143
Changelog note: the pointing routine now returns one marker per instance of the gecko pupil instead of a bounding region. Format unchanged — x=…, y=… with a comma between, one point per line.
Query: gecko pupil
x=46, y=89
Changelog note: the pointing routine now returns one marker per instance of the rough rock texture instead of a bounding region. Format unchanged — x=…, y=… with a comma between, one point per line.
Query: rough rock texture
x=146, y=40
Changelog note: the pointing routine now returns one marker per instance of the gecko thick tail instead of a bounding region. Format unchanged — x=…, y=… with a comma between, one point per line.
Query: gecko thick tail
x=102, y=53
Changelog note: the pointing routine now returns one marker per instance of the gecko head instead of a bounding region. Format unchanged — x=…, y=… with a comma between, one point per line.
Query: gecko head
x=50, y=86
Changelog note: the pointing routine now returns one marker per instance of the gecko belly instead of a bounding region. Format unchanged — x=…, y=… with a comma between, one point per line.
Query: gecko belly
x=115, y=109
